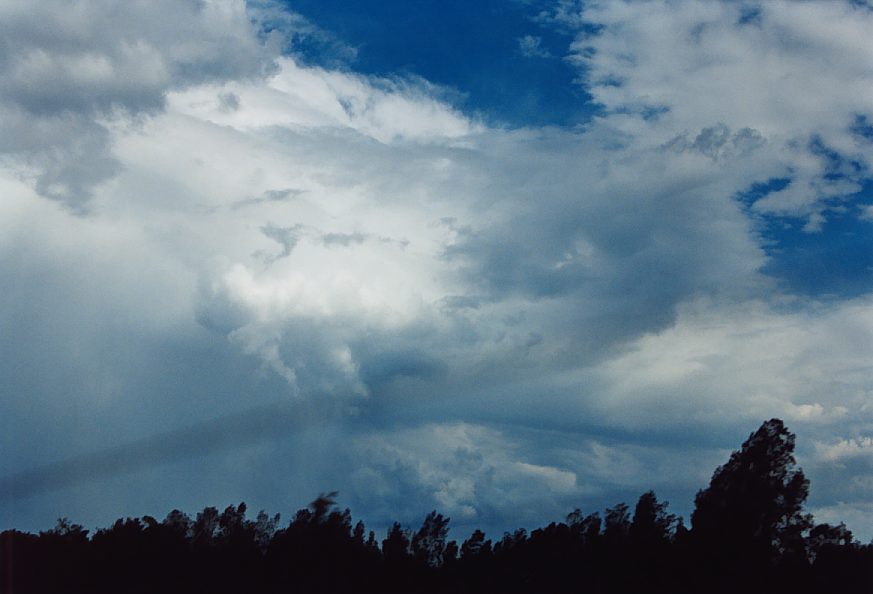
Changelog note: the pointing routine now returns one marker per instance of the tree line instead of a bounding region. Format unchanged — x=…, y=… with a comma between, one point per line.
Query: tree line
x=748, y=534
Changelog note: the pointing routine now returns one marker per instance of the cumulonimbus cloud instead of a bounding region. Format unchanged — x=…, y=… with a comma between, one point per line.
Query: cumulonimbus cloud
x=234, y=228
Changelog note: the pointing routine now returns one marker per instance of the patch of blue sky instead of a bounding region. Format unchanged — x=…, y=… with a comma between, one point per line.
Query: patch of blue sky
x=863, y=127
x=750, y=15
x=506, y=62
x=836, y=165
x=834, y=262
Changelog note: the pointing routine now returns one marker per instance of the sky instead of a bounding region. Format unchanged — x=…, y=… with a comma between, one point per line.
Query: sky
x=501, y=259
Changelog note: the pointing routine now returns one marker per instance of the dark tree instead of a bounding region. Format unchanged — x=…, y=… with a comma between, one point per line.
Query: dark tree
x=757, y=497
x=650, y=538
x=372, y=544
x=429, y=543
x=476, y=546
x=264, y=528
x=396, y=544
x=451, y=553
x=616, y=525
x=652, y=525
x=589, y=528
x=232, y=524
x=751, y=513
x=205, y=528
x=358, y=532
x=749, y=535
x=66, y=551
x=322, y=505
x=400, y=573
x=178, y=523
x=825, y=536
x=839, y=563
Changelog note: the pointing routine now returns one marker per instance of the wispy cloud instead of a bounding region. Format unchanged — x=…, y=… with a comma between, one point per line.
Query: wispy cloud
x=530, y=46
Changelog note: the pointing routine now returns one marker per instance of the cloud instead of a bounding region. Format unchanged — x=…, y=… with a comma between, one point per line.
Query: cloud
x=796, y=73
x=530, y=46
x=493, y=319
x=840, y=470
x=287, y=237
x=466, y=470
x=297, y=96
x=70, y=71
x=292, y=33
x=805, y=366
x=563, y=13
x=229, y=432
x=859, y=447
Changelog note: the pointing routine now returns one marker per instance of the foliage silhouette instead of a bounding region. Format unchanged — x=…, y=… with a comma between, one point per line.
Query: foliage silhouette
x=749, y=534
x=750, y=517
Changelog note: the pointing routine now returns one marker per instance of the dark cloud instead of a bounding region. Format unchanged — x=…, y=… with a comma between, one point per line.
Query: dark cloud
x=287, y=237
x=456, y=302
x=380, y=365
x=67, y=72
x=228, y=101
x=717, y=142
x=230, y=432
x=268, y=196
x=618, y=260
x=343, y=239
x=66, y=154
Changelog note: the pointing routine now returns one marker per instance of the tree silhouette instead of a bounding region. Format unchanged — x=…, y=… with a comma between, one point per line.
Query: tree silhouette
x=429, y=543
x=751, y=513
x=178, y=523
x=586, y=527
x=265, y=528
x=475, y=547
x=616, y=525
x=839, y=563
x=322, y=505
x=749, y=535
x=396, y=544
x=825, y=536
x=649, y=538
x=652, y=525
x=205, y=527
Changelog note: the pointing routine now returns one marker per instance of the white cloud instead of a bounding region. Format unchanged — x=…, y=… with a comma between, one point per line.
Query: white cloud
x=855, y=516
x=468, y=471
x=749, y=361
x=530, y=46
x=298, y=97
x=798, y=74
x=66, y=68
x=857, y=447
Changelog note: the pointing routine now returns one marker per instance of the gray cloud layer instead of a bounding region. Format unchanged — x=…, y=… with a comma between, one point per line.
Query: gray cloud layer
x=68, y=70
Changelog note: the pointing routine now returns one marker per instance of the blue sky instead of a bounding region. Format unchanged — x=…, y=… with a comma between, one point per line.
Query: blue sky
x=835, y=261
x=451, y=44
x=529, y=82
x=502, y=259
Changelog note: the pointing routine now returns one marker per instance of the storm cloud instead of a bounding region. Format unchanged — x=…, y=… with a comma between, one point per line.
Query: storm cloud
x=502, y=323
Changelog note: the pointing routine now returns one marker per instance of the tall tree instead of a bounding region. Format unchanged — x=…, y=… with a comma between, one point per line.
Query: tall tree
x=476, y=546
x=429, y=543
x=616, y=524
x=205, y=527
x=396, y=544
x=652, y=525
x=753, y=505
